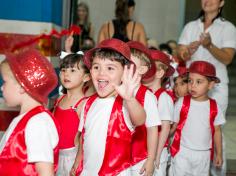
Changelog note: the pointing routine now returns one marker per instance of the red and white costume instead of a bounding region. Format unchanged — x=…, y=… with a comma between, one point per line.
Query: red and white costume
x=193, y=139
x=69, y=122
x=31, y=137
x=165, y=105
x=139, y=138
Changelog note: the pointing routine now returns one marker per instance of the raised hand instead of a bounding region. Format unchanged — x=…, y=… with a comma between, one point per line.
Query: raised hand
x=130, y=81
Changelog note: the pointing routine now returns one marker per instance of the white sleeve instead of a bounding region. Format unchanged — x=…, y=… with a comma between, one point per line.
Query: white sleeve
x=41, y=138
x=81, y=122
x=165, y=107
x=220, y=118
x=150, y=107
x=185, y=37
x=229, y=36
x=177, y=109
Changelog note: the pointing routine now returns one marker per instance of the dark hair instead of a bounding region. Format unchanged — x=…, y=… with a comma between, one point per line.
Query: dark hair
x=131, y=3
x=111, y=55
x=86, y=47
x=70, y=61
x=219, y=15
x=166, y=47
x=122, y=15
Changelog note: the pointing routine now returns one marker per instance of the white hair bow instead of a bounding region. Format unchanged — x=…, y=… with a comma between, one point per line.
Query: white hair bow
x=64, y=54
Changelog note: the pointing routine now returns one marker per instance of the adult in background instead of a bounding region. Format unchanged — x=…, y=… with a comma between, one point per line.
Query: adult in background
x=123, y=27
x=75, y=43
x=211, y=38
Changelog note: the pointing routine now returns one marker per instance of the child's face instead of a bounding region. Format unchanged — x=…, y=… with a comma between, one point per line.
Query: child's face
x=10, y=88
x=181, y=87
x=140, y=66
x=198, y=86
x=72, y=77
x=105, y=74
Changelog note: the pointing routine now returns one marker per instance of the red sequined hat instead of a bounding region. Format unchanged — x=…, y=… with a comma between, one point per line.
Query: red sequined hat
x=139, y=46
x=34, y=73
x=113, y=44
x=157, y=55
x=204, y=68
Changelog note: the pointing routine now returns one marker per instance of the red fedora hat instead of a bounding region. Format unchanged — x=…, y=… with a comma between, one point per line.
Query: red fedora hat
x=113, y=44
x=34, y=73
x=157, y=55
x=204, y=68
x=181, y=70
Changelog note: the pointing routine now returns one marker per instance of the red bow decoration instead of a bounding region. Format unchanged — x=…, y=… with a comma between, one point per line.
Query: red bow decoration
x=54, y=33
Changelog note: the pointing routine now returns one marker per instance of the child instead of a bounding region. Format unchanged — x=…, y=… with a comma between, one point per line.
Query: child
x=180, y=79
x=108, y=117
x=30, y=144
x=73, y=75
x=180, y=82
x=199, y=125
x=144, y=139
x=165, y=106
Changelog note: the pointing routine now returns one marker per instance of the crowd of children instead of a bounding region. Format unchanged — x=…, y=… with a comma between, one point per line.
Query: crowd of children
x=127, y=126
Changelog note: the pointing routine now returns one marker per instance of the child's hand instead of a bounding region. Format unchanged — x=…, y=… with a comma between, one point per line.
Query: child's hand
x=130, y=82
x=73, y=170
x=218, y=161
x=68, y=43
x=157, y=163
x=148, y=168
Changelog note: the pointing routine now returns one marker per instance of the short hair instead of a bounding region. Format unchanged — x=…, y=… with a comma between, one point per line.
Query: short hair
x=110, y=54
x=141, y=56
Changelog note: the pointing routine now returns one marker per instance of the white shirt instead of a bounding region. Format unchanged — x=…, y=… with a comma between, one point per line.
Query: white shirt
x=41, y=137
x=223, y=35
x=165, y=107
x=96, y=126
x=150, y=107
x=196, y=133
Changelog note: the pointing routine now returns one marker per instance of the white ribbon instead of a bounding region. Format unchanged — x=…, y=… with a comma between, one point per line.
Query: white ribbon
x=64, y=54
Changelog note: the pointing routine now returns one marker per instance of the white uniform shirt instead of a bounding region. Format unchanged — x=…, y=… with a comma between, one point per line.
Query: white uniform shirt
x=165, y=107
x=223, y=35
x=196, y=133
x=41, y=137
x=96, y=126
x=150, y=107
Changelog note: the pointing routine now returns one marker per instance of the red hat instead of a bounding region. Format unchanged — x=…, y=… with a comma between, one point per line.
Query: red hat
x=140, y=47
x=157, y=55
x=204, y=68
x=113, y=44
x=34, y=73
x=181, y=70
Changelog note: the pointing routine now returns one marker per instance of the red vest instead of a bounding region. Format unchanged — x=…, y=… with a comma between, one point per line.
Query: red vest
x=69, y=122
x=174, y=149
x=157, y=94
x=139, y=137
x=118, y=142
x=13, y=159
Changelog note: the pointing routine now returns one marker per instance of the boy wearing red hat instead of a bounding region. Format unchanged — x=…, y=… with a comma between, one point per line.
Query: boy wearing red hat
x=165, y=105
x=199, y=125
x=30, y=144
x=144, y=139
x=108, y=117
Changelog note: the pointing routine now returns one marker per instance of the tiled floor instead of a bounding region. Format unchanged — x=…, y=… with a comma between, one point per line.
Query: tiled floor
x=230, y=138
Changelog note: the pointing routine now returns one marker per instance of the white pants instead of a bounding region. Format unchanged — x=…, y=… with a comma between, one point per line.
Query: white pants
x=161, y=171
x=125, y=172
x=189, y=162
x=220, y=94
x=66, y=161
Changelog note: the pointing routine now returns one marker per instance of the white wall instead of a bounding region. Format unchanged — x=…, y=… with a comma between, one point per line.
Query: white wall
x=162, y=19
